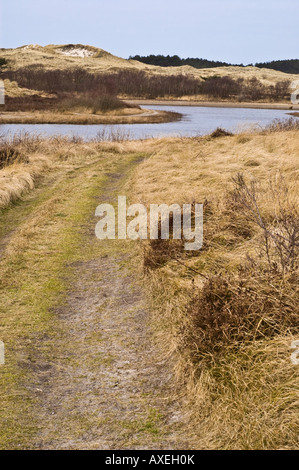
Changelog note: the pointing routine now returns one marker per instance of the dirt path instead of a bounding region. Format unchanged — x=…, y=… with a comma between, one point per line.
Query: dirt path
x=118, y=388
x=212, y=104
x=98, y=380
x=150, y=112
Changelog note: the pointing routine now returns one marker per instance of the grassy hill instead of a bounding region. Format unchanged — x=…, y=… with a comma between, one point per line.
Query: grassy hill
x=98, y=60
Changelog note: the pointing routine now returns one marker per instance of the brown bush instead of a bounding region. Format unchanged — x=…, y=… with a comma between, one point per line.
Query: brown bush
x=9, y=155
x=259, y=298
x=158, y=252
x=16, y=148
x=29, y=103
x=66, y=101
x=229, y=311
x=219, y=132
x=97, y=103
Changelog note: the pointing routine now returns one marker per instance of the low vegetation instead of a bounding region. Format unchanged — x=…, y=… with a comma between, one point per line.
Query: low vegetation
x=286, y=66
x=3, y=62
x=135, y=83
x=227, y=314
x=65, y=101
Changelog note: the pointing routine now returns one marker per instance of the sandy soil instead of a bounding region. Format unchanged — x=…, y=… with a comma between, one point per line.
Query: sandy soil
x=120, y=381
x=213, y=104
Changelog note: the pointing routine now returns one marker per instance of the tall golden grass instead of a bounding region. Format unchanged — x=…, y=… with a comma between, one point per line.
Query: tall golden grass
x=229, y=313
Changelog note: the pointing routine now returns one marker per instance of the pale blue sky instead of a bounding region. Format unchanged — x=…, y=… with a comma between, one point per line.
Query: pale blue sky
x=229, y=30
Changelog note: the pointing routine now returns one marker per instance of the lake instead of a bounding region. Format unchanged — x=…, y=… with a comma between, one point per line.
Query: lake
x=197, y=120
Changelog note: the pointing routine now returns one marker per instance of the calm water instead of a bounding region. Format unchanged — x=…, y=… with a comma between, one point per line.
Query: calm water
x=196, y=120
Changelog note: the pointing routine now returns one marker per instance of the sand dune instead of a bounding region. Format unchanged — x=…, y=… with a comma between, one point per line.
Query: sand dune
x=98, y=60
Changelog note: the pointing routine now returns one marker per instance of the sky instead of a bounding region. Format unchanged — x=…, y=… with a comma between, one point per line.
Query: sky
x=234, y=31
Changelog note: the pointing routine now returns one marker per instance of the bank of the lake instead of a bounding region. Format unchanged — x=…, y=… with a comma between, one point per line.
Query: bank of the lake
x=212, y=104
x=196, y=120
x=132, y=116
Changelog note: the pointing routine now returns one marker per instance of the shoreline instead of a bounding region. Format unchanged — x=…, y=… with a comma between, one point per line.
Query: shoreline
x=148, y=117
x=214, y=104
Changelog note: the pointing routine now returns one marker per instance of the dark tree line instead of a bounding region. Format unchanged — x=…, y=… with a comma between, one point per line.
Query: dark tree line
x=125, y=82
x=139, y=84
x=176, y=61
x=245, y=90
x=287, y=66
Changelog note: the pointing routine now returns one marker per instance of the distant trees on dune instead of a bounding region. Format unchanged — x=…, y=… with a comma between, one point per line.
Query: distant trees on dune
x=176, y=61
x=287, y=66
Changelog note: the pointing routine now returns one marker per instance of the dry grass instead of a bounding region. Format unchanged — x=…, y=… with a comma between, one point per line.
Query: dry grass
x=230, y=312
x=226, y=314
x=40, y=239
x=124, y=116
x=32, y=158
x=51, y=57
x=13, y=90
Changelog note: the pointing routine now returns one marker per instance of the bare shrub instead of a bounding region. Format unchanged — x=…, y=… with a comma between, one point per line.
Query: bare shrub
x=15, y=149
x=138, y=83
x=280, y=232
x=221, y=87
x=97, y=103
x=230, y=311
x=260, y=300
x=219, y=132
x=112, y=135
x=281, y=125
x=8, y=155
x=158, y=252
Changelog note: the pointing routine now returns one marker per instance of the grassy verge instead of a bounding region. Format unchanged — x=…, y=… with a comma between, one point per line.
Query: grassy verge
x=229, y=312
x=43, y=235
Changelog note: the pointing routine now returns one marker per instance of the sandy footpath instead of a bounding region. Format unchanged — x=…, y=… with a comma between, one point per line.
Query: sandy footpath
x=214, y=104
